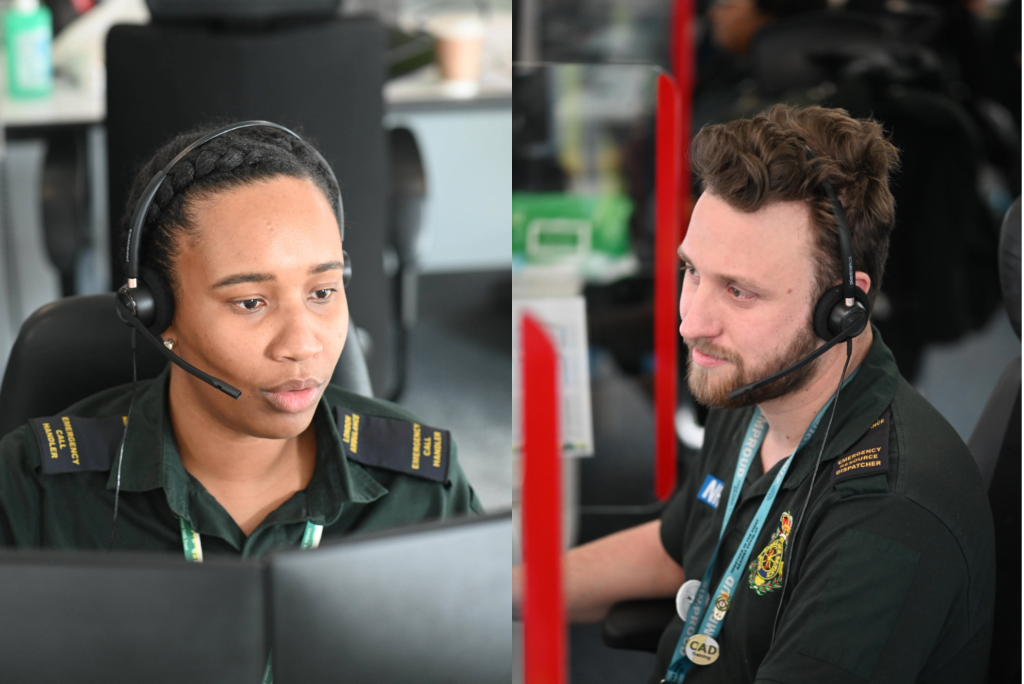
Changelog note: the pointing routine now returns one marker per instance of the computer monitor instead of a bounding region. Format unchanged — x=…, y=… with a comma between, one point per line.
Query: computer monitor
x=425, y=604
x=110, y=618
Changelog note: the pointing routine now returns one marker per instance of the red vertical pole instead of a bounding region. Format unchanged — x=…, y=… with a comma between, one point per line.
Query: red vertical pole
x=544, y=640
x=682, y=49
x=672, y=190
x=666, y=286
x=684, y=69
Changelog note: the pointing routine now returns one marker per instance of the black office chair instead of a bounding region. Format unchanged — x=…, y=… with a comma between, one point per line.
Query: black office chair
x=74, y=347
x=996, y=446
x=323, y=77
x=408, y=194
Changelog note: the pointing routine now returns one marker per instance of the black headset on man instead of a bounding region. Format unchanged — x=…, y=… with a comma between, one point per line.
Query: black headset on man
x=147, y=303
x=840, y=314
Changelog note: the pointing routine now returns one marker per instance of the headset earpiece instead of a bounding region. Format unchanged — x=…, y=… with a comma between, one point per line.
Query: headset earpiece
x=151, y=301
x=346, y=274
x=832, y=316
x=160, y=313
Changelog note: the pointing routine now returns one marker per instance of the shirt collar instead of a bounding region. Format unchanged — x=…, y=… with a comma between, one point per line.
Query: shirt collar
x=861, y=402
x=142, y=461
x=151, y=461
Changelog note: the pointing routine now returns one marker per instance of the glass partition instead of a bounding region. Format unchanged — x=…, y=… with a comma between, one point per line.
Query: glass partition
x=584, y=175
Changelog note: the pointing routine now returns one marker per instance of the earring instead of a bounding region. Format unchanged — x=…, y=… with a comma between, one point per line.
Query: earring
x=169, y=344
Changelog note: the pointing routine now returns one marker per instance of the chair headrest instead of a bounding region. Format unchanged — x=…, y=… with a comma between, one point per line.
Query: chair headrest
x=240, y=10
x=1009, y=264
x=802, y=51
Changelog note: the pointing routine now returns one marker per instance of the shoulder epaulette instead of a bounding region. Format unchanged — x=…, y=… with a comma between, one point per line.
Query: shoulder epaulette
x=69, y=444
x=394, y=444
x=870, y=455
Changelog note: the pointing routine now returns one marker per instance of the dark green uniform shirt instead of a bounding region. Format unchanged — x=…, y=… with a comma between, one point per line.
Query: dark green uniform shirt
x=74, y=509
x=891, y=574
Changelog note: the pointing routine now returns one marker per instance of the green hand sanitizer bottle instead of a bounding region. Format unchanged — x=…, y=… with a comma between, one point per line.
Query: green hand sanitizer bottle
x=28, y=37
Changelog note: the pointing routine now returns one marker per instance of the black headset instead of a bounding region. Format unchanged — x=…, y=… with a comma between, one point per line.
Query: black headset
x=841, y=313
x=146, y=301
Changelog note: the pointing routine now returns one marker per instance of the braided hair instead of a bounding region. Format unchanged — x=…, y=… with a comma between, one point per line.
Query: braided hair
x=232, y=160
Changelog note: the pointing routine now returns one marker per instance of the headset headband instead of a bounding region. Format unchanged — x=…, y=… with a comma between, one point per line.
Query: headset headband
x=142, y=206
x=845, y=241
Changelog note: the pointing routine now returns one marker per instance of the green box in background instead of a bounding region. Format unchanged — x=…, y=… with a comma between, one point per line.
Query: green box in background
x=550, y=228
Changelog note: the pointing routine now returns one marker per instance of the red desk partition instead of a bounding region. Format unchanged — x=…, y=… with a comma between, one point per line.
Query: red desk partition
x=672, y=196
x=599, y=146
x=544, y=632
x=668, y=190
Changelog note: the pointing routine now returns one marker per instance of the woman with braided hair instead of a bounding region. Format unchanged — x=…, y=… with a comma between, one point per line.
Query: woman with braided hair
x=241, y=251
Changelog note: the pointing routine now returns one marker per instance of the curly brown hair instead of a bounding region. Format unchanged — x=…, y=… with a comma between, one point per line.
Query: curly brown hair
x=751, y=163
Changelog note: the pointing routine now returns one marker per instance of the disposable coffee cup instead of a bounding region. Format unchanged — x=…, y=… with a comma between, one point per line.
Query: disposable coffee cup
x=460, y=40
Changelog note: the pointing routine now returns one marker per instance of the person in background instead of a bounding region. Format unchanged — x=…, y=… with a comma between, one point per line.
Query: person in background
x=732, y=27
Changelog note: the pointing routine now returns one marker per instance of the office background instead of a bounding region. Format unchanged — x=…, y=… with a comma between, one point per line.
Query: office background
x=439, y=344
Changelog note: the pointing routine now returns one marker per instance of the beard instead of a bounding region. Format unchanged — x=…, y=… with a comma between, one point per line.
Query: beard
x=711, y=386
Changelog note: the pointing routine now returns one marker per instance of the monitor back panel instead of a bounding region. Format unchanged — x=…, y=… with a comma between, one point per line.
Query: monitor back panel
x=430, y=606
x=111, y=618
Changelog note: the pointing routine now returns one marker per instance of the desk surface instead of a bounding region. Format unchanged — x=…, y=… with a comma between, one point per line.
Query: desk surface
x=69, y=105
x=424, y=90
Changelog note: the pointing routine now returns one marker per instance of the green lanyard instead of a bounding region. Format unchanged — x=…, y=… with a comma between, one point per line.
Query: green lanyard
x=194, y=554
x=194, y=547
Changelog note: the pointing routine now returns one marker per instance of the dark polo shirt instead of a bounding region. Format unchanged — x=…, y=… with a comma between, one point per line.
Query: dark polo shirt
x=74, y=509
x=891, y=574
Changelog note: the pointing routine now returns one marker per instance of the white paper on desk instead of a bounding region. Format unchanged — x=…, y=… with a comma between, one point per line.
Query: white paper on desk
x=566, y=322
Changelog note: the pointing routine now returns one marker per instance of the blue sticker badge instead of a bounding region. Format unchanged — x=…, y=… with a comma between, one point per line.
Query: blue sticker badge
x=711, y=491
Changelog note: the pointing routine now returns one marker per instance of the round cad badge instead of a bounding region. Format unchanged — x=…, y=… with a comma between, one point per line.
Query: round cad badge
x=702, y=649
x=685, y=596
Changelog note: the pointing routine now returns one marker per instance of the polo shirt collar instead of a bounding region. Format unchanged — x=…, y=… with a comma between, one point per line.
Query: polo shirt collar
x=142, y=462
x=151, y=461
x=861, y=402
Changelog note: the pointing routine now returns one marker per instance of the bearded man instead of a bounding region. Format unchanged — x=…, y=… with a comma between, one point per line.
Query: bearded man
x=823, y=535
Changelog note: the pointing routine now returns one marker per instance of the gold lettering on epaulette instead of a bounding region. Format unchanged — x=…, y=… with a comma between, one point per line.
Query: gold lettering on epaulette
x=437, y=449
x=60, y=439
x=348, y=429
x=877, y=423
x=415, y=446
x=426, y=446
x=71, y=440
x=50, y=442
x=355, y=434
x=853, y=457
x=860, y=464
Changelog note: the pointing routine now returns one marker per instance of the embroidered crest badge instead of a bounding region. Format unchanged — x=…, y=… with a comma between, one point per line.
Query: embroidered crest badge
x=766, y=569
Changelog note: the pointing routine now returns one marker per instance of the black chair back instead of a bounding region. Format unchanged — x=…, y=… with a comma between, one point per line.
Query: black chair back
x=322, y=78
x=996, y=446
x=75, y=347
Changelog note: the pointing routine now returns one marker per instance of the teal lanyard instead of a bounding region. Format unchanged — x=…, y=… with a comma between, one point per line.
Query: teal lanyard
x=194, y=554
x=712, y=624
